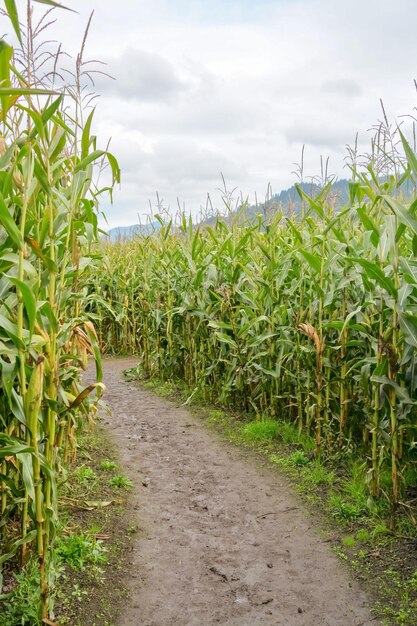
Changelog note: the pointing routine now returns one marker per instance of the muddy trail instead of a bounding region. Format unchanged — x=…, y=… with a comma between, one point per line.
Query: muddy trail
x=223, y=540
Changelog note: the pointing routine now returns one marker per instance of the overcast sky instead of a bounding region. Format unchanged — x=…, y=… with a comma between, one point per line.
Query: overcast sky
x=238, y=86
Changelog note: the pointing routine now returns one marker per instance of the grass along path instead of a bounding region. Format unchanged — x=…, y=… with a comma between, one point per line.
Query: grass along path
x=222, y=539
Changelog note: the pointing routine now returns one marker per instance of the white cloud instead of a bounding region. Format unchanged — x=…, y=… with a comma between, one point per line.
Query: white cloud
x=203, y=87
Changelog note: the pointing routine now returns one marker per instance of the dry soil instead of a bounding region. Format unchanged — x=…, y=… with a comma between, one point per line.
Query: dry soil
x=223, y=539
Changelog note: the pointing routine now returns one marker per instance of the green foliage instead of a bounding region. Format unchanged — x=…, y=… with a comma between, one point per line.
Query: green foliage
x=307, y=320
x=262, y=430
x=121, y=482
x=348, y=541
x=298, y=459
x=108, y=466
x=345, y=511
x=22, y=608
x=362, y=535
x=48, y=225
x=86, y=475
x=79, y=550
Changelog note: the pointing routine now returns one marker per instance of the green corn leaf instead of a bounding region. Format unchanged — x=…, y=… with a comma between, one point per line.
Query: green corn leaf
x=313, y=260
x=93, y=156
x=405, y=216
x=114, y=167
x=97, y=354
x=85, y=138
x=408, y=325
x=226, y=339
x=51, y=3
x=11, y=330
x=375, y=273
x=6, y=53
x=411, y=157
x=31, y=535
x=369, y=224
x=27, y=91
x=29, y=301
x=52, y=109
x=217, y=324
x=9, y=224
x=14, y=18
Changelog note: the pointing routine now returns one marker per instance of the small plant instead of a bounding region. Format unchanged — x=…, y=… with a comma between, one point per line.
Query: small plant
x=298, y=459
x=108, y=466
x=78, y=550
x=339, y=552
x=78, y=593
x=362, y=535
x=132, y=530
x=22, y=608
x=86, y=475
x=344, y=511
x=121, y=482
x=348, y=541
x=379, y=530
x=413, y=581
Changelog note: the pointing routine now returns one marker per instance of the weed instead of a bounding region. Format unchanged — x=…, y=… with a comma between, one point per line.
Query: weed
x=379, y=530
x=339, y=553
x=132, y=530
x=78, y=550
x=344, y=511
x=86, y=475
x=362, y=535
x=348, y=541
x=108, y=466
x=22, y=608
x=120, y=481
x=298, y=459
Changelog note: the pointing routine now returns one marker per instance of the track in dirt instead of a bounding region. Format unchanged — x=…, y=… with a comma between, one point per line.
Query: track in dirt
x=225, y=540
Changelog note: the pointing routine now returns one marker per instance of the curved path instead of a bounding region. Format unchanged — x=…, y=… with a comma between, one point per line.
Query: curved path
x=225, y=540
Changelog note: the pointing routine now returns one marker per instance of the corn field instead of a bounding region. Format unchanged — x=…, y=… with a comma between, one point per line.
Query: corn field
x=310, y=318
x=48, y=223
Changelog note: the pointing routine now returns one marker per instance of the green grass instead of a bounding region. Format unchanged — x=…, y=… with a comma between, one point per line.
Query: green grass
x=263, y=430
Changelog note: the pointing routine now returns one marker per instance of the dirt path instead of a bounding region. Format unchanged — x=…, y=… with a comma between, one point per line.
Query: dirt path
x=225, y=541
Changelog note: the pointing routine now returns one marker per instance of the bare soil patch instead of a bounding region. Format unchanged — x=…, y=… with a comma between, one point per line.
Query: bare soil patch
x=223, y=539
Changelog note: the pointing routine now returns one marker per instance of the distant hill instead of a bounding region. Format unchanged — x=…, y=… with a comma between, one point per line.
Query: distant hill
x=288, y=201
x=127, y=232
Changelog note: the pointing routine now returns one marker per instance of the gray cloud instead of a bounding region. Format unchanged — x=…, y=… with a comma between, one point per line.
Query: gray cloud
x=319, y=134
x=343, y=86
x=141, y=75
